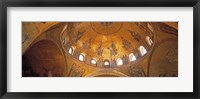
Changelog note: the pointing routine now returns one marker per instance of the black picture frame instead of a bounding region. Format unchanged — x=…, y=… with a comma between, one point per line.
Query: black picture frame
x=99, y=3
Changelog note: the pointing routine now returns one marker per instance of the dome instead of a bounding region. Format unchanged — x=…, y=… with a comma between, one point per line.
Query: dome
x=99, y=49
x=108, y=43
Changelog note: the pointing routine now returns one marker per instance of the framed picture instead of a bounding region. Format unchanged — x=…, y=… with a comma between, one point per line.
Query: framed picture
x=145, y=49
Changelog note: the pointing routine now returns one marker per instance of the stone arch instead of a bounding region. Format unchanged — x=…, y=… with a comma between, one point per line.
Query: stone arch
x=43, y=58
x=164, y=59
x=106, y=73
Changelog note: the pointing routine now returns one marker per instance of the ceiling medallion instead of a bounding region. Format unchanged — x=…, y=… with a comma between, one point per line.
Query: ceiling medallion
x=106, y=28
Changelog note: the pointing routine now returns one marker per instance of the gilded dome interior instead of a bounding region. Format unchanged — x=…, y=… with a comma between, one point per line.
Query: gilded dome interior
x=107, y=41
x=100, y=49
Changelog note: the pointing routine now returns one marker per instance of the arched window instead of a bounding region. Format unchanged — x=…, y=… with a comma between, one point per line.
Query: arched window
x=70, y=50
x=119, y=61
x=148, y=39
x=132, y=57
x=106, y=63
x=143, y=51
x=64, y=41
x=81, y=57
x=150, y=27
x=93, y=61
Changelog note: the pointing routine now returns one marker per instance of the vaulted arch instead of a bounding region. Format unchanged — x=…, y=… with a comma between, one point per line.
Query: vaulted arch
x=44, y=58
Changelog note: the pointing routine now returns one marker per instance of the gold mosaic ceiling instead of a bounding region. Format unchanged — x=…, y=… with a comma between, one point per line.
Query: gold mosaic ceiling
x=108, y=40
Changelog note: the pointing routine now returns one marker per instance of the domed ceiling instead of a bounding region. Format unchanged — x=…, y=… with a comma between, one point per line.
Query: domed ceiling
x=100, y=49
x=109, y=40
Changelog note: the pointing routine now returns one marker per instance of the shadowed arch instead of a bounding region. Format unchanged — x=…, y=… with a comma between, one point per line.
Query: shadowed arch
x=164, y=59
x=43, y=58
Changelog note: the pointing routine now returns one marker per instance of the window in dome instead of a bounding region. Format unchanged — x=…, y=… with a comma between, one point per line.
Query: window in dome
x=106, y=63
x=119, y=61
x=81, y=57
x=70, y=50
x=150, y=42
x=93, y=61
x=150, y=27
x=132, y=57
x=143, y=51
x=64, y=41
